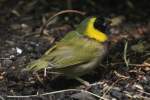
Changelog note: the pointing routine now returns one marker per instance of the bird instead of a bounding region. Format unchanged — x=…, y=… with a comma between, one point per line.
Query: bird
x=79, y=52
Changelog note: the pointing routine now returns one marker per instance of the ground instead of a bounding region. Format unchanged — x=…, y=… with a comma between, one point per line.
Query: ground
x=124, y=73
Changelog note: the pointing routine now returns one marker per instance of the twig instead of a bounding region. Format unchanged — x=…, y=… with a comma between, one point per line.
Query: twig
x=141, y=65
x=5, y=58
x=136, y=65
x=120, y=76
x=144, y=92
x=45, y=25
x=125, y=54
x=2, y=98
x=112, y=86
x=55, y=92
x=39, y=79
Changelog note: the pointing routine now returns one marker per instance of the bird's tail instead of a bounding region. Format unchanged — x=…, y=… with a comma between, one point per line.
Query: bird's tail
x=37, y=65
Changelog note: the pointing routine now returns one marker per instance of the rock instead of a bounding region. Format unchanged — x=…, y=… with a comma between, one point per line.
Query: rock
x=19, y=51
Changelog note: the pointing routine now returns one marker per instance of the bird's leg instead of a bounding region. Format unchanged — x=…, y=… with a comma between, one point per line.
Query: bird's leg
x=87, y=84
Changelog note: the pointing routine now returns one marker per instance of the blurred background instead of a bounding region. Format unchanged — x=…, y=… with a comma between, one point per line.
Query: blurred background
x=132, y=9
x=26, y=33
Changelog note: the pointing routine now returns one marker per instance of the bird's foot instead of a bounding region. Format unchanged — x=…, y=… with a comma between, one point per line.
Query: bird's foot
x=86, y=85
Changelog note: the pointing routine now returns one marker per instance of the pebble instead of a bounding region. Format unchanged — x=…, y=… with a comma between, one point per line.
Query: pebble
x=19, y=51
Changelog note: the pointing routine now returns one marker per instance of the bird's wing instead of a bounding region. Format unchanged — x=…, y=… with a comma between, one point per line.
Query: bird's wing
x=73, y=51
x=70, y=51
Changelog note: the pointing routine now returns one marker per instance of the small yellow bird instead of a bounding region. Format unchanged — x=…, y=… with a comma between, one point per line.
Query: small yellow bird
x=79, y=52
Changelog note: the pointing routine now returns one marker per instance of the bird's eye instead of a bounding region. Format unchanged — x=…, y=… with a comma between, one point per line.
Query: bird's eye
x=102, y=25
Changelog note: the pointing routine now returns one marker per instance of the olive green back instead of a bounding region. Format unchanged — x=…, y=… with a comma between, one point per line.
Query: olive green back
x=73, y=49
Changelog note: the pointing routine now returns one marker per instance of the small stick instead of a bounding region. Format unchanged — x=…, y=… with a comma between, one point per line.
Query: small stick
x=125, y=54
x=45, y=25
x=56, y=92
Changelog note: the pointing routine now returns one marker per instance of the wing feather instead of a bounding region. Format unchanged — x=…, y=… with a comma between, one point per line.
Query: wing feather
x=74, y=51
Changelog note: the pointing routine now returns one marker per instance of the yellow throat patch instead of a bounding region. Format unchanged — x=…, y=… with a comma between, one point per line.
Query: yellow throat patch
x=95, y=33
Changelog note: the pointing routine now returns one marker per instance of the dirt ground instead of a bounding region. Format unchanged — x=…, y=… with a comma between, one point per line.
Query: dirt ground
x=124, y=73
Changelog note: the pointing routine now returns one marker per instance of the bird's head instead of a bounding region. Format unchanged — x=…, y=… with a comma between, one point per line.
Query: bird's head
x=96, y=28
